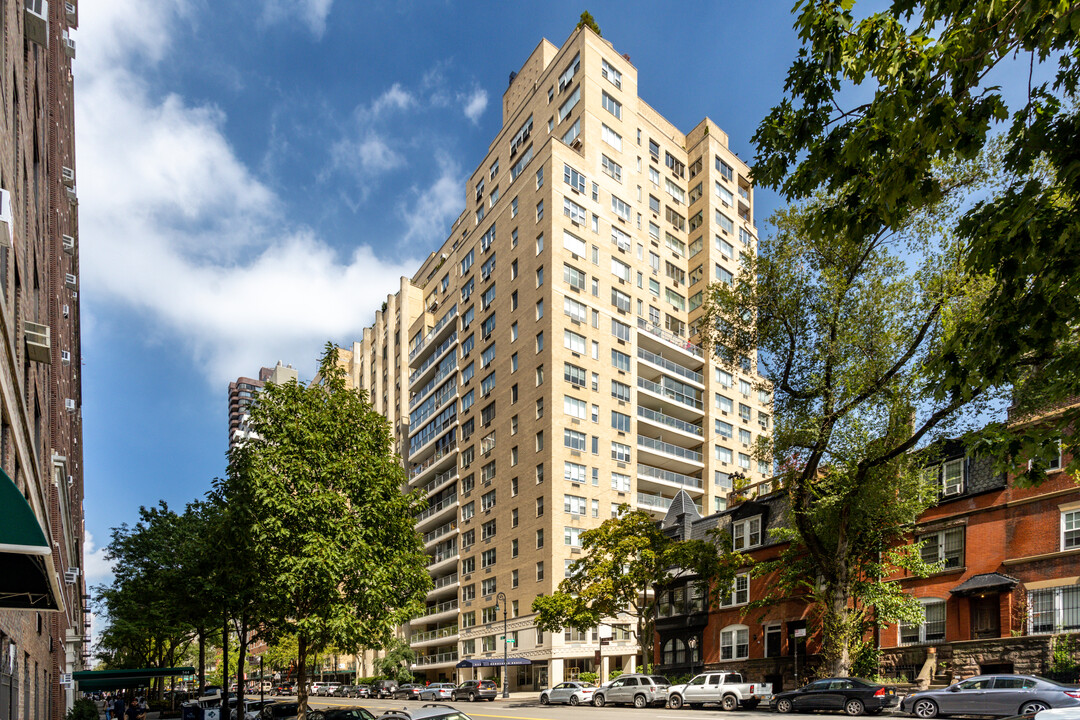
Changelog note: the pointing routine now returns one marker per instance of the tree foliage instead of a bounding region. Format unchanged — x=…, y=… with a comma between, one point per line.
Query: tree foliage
x=626, y=565
x=318, y=492
x=588, y=21
x=396, y=661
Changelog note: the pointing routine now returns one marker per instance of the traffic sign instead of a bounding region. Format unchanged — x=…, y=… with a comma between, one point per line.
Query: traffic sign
x=800, y=632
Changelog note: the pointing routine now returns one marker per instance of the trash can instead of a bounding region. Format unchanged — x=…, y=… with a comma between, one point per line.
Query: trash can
x=191, y=712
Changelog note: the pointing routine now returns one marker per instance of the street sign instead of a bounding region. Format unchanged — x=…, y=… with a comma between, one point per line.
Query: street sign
x=605, y=641
x=65, y=679
x=604, y=631
x=800, y=632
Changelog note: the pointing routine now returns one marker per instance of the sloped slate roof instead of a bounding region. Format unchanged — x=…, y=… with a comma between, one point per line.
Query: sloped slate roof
x=985, y=582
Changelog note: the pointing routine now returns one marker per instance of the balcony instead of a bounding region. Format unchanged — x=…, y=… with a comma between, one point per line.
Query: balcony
x=670, y=339
x=668, y=478
x=433, y=333
x=420, y=373
x=441, y=458
x=447, y=584
x=441, y=531
x=433, y=635
x=670, y=366
x=443, y=608
x=658, y=418
x=672, y=456
x=675, y=401
x=656, y=503
x=442, y=557
x=435, y=510
x=445, y=368
x=439, y=480
x=445, y=658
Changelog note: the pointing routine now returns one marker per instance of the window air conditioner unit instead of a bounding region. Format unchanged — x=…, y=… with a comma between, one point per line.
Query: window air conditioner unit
x=6, y=223
x=67, y=310
x=36, y=22
x=67, y=175
x=72, y=196
x=71, y=479
x=69, y=244
x=65, y=357
x=69, y=45
x=72, y=14
x=71, y=281
x=38, y=346
x=69, y=404
x=71, y=577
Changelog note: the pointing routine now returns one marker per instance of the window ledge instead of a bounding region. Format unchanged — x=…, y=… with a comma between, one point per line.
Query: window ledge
x=1071, y=552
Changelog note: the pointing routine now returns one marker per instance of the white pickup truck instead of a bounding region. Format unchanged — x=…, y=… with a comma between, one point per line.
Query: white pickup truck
x=725, y=688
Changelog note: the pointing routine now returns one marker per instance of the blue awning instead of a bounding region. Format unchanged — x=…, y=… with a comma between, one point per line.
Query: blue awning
x=492, y=662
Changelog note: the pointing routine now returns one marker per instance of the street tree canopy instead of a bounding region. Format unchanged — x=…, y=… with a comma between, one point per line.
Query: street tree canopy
x=332, y=531
x=622, y=561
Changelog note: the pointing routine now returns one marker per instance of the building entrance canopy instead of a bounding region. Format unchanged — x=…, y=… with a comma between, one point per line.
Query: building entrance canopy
x=115, y=679
x=28, y=580
x=493, y=662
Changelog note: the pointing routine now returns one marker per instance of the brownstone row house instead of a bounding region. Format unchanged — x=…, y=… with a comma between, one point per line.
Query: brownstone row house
x=1010, y=582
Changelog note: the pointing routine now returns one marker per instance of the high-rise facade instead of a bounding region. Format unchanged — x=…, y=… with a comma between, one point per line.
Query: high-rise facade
x=44, y=620
x=540, y=368
x=242, y=393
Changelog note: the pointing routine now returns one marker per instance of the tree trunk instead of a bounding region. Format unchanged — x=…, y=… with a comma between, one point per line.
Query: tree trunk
x=301, y=675
x=202, y=659
x=240, y=660
x=224, y=667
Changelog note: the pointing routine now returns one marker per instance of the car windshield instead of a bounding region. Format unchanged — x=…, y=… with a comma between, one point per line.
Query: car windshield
x=1055, y=683
x=487, y=684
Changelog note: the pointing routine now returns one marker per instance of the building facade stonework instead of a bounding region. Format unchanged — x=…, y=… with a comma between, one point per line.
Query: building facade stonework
x=540, y=369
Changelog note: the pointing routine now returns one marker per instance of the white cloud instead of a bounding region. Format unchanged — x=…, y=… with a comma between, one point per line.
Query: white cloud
x=175, y=227
x=475, y=104
x=312, y=13
x=430, y=211
x=96, y=569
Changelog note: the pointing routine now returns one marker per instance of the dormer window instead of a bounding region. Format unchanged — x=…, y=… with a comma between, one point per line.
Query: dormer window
x=746, y=534
x=948, y=477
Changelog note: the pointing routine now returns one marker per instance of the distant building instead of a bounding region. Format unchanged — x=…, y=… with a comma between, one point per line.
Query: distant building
x=541, y=367
x=242, y=393
x=44, y=608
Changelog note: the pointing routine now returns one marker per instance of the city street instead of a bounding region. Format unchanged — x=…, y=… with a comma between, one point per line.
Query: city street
x=528, y=708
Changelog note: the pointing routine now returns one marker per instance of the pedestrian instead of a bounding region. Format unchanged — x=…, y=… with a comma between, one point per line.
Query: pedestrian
x=108, y=707
x=118, y=707
x=135, y=711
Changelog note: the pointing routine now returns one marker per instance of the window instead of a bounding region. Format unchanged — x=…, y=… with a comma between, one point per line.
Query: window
x=539, y=276
x=573, y=277
x=676, y=192
x=574, y=504
x=468, y=593
x=746, y=533
x=487, y=385
x=574, y=179
x=620, y=330
x=1070, y=529
x=575, y=408
x=947, y=545
x=575, y=310
x=725, y=223
x=574, y=472
x=620, y=452
x=611, y=137
x=487, y=500
x=723, y=429
x=725, y=170
x=468, y=619
x=611, y=168
x=932, y=629
x=621, y=239
x=620, y=360
x=735, y=642
x=568, y=75
x=676, y=300
x=725, y=248
x=1054, y=610
x=573, y=374
x=487, y=559
x=612, y=105
x=948, y=477
x=740, y=591
x=487, y=587
x=569, y=104
x=539, y=211
x=574, y=342
x=724, y=275
x=572, y=536
x=574, y=440
x=620, y=391
x=572, y=133
x=620, y=421
x=620, y=482
x=620, y=269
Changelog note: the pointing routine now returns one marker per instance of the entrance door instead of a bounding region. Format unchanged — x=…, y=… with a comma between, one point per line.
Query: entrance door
x=542, y=676
x=986, y=617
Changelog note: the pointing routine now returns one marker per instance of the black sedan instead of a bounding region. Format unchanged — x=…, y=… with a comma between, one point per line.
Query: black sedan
x=407, y=692
x=852, y=695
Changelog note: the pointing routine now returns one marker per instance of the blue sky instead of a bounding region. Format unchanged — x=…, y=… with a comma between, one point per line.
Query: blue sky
x=255, y=176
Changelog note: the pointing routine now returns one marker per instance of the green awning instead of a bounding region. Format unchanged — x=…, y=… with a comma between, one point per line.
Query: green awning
x=28, y=579
x=116, y=679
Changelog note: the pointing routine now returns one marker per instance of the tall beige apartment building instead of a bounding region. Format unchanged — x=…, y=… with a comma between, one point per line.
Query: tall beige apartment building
x=540, y=369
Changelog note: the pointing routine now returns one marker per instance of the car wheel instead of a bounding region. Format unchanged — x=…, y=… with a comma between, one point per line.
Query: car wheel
x=574, y=700
x=729, y=703
x=1033, y=707
x=544, y=700
x=925, y=709
x=453, y=697
x=783, y=705
x=472, y=697
x=675, y=702
x=854, y=706
x=640, y=701
x=598, y=700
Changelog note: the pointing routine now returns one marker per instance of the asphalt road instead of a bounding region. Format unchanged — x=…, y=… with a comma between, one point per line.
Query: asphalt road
x=515, y=709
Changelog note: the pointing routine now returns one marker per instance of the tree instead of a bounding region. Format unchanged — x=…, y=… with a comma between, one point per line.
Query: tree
x=394, y=664
x=627, y=564
x=588, y=21
x=318, y=490
x=937, y=82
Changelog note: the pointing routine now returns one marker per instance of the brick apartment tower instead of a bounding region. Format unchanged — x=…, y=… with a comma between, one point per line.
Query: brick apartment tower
x=42, y=635
x=242, y=393
x=541, y=368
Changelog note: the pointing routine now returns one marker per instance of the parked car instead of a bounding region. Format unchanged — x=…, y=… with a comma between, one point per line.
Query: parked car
x=431, y=711
x=357, y=713
x=852, y=695
x=279, y=711
x=284, y=689
x=574, y=693
x=992, y=695
x=384, y=689
x=361, y=691
x=725, y=688
x=327, y=689
x=408, y=691
x=637, y=690
x=342, y=691
x=473, y=690
x=437, y=691
x=252, y=708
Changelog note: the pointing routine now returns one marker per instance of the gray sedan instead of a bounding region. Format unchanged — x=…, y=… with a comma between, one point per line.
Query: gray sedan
x=574, y=693
x=1000, y=695
x=437, y=691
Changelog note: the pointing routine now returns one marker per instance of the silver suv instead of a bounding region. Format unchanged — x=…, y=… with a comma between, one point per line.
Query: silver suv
x=637, y=690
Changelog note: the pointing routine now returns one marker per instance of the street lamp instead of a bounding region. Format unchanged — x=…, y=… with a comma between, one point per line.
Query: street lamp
x=500, y=600
x=692, y=643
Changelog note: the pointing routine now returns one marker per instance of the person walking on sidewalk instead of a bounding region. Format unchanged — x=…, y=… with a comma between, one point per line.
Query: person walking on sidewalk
x=118, y=707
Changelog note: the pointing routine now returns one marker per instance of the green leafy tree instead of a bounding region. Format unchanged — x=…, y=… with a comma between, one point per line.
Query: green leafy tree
x=318, y=491
x=931, y=87
x=622, y=561
x=587, y=20
x=395, y=663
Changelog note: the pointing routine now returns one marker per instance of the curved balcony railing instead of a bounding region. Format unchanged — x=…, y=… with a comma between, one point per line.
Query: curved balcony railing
x=445, y=580
x=439, y=455
x=681, y=398
x=434, y=634
x=433, y=357
x=442, y=607
x=435, y=509
x=439, y=659
x=440, y=531
x=665, y=447
x=439, y=480
x=668, y=476
x=672, y=422
x=677, y=340
x=670, y=366
x=450, y=315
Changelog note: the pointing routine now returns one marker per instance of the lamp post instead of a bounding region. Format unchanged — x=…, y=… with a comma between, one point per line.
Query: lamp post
x=500, y=601
x=692, y=643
